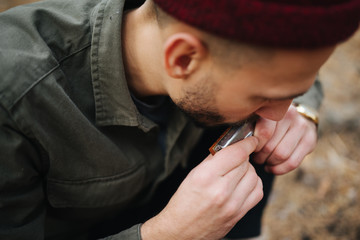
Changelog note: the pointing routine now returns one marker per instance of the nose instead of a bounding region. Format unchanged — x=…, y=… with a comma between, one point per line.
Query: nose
x=274, y=109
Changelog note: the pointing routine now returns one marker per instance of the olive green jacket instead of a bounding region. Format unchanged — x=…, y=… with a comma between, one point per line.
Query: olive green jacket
x=74, y=150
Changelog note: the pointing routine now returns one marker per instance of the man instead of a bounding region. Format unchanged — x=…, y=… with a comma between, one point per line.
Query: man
x=93, y=143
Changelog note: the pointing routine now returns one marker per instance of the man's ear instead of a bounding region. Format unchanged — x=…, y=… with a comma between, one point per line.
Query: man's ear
x=183, y=54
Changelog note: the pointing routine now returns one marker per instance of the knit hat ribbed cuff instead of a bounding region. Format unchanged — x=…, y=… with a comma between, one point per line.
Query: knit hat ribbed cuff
x=274, y=23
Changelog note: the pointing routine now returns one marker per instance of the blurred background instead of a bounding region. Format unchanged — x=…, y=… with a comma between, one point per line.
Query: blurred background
x=321, y=199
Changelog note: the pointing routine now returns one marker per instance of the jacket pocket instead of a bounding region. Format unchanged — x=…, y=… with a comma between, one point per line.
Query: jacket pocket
x=96, y=192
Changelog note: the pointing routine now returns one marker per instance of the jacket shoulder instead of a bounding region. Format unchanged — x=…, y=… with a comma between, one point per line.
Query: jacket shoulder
x=35, y=38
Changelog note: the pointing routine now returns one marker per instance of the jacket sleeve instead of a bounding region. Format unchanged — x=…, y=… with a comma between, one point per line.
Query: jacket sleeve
x=313, y=97
x=22, y=207
x=132, y=233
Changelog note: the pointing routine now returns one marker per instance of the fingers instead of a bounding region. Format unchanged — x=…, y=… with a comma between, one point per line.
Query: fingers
x=294, y=138
x=281, y=164
x=235, y=176
x=271, y=138
x=248, y=192
x=232, y=156
x=254, y=198
x=247, y=184
x=284, y=148
x=216, y=193
x=264, y=130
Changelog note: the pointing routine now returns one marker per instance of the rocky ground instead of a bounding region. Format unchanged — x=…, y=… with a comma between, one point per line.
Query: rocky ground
x=321, y=199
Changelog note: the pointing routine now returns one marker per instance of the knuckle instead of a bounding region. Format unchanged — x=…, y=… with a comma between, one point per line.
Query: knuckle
x=253, y=177
x=292, y=113
x=259, y=190
x=310, y=147
x=254, y=182
x=293, y=164
x=288, y=167
x=260, y=195
x=267, y=149
x=303, y=124
x=265, y=133
x=309, y=143
x=231, y=210
x=279, y=171
x=280, y=155
x=240, y=154
x=219, y=197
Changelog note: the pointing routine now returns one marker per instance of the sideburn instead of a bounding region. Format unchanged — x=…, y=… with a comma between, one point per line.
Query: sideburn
x=198, y=104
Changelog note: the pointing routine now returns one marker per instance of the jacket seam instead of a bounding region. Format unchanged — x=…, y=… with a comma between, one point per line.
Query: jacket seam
x=47, y=74
x=131, y=171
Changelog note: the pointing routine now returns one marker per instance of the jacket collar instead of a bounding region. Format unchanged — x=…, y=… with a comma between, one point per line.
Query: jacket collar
x=113, y=102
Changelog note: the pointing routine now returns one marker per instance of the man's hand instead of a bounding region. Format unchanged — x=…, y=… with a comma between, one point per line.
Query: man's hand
x=283, y=145
x=212, y=198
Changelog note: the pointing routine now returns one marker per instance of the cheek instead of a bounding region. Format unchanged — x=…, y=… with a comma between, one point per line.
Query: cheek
x=234, y=101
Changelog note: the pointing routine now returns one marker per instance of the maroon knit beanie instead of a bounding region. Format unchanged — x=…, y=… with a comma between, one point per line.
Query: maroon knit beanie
x=276, y=23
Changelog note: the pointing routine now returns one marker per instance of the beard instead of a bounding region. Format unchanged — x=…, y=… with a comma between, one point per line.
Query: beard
x=202, y=117
x=207, y=118
x=199, y=104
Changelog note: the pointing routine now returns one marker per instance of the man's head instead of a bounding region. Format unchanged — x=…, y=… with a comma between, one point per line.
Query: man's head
x=224, y=61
